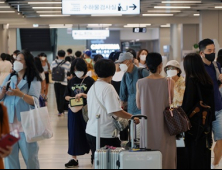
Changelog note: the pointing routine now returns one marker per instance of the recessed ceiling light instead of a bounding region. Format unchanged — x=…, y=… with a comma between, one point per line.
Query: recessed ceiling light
x=165, y=26
x=7, y=11
x=157, y=15
x=5, y=7
x=196, y=15
x=98, y=25
x=136, y=25
x=37, y=3
x=47, y=7
x=48, y=12
x=167, y=11
x=172, y=7
x=218, y=6
x=103, y=15
x=54, y=15
x=180, y=2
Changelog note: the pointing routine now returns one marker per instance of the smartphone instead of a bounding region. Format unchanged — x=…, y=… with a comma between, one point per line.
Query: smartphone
x=9, y=139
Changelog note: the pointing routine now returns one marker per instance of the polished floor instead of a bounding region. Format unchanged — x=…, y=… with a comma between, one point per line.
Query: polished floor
x=53, y=152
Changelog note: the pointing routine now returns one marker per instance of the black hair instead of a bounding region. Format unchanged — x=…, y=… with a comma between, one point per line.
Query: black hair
x=61, y=53
x=204, y=43
x=114, y=56
x=105, y=68
x=69, y=51
x=10, y=58
x=16, y=52
x=194, y=67
x=138, y=56
x=132, y=51
x=31, y=71
x=98, y=57
x=80, y=65
x=78, y=54
x=219, y=57
x=68, y=59
x=3, y=56
x=38, y=64
x=153, y=60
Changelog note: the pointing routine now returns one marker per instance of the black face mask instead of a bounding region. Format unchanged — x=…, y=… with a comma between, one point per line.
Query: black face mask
x=210, y=57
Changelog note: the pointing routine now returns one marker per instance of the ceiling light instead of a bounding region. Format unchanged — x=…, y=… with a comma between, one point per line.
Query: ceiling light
x=60, y=26
x=157, y=15
x=165, y=26
x=54, y=15
x=167, y=11
x=48, y=12
x=2, y=2
x=218, y=6
x=47, y=7
x=7, y=11
x=172, y=7
x=4, y=6
x=103, y=15
x=180, y=2
x=40, y=3
x=136, y=25
x=98, y=25
x=196, y=15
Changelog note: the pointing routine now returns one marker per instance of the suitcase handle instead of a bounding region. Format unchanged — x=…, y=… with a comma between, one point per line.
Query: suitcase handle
x=133, y=129
x=139, y=116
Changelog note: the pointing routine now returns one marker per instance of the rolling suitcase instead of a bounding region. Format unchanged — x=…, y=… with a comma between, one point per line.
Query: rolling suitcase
x=106, y=157
x=142, y=158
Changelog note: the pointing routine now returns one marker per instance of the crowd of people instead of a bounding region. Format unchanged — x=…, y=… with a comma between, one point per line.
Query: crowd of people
x=127, y=84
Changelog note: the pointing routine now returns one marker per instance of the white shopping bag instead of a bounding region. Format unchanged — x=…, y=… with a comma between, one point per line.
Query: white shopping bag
x=36, y=124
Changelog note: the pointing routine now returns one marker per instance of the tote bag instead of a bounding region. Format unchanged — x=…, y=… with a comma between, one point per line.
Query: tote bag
x=36, y=124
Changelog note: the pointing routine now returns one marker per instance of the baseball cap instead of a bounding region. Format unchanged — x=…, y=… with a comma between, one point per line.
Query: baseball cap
x=124, y=56
x=88, y=53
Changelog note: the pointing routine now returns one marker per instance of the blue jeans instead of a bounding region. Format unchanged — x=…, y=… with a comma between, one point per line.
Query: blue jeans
x=29, y=153
x=217, y=126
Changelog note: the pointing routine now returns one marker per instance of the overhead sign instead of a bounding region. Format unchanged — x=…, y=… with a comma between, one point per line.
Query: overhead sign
x=100, y=7
x=90, y=34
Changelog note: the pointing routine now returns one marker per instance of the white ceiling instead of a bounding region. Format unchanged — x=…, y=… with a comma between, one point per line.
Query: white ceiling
x=29, y=16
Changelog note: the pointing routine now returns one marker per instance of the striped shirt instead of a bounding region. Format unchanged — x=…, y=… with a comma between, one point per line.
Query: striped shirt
x=66, y=66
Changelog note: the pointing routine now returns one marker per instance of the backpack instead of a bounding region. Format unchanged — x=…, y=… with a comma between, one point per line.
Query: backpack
x=58, y=72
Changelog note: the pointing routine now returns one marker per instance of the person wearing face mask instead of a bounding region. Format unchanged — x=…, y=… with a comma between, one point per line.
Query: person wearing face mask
x=46, y=67
x=142, y=58
x=152, y=98
x=173, y=70
x=20, y=91
x=78, y=87
x=128, y=84
x=207, y=52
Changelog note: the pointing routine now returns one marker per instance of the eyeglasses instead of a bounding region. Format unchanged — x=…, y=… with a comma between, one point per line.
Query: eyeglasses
x=171, y=68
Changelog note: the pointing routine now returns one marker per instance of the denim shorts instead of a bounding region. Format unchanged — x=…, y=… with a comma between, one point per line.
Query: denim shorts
x=217, y=126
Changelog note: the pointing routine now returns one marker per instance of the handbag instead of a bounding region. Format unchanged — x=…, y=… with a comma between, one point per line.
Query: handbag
x=201, y=121
x=76, y=106
x=175, y=118
x=36, y=124
x=119, y=123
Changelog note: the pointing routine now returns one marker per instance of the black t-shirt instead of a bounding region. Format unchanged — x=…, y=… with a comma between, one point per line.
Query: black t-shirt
x=74, y=87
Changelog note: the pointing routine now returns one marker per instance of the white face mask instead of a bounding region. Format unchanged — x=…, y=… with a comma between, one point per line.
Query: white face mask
x=171, y=73
x=43, y=58
x=14, y=56
x=123, y=68
x=143, y=57
x=79, y=74
x=18, y=66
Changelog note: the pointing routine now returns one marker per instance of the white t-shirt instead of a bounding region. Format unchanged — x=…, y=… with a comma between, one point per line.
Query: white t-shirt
x=109, y=98
x=118, y=76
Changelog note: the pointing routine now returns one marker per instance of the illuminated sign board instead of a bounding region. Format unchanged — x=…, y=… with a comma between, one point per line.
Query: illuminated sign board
x=101, y=7
x=90, y=34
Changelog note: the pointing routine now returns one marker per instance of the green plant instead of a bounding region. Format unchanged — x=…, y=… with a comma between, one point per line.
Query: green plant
x=196, y=46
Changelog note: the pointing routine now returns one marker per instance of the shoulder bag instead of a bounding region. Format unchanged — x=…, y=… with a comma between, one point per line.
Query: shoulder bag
x=175, y=118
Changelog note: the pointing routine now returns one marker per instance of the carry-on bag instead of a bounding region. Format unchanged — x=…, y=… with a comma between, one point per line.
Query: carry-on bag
x=139, y=158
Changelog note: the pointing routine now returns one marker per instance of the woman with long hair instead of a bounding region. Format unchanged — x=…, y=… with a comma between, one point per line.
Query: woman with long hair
x=20, y=91
x=198, y=83
x=141, y=57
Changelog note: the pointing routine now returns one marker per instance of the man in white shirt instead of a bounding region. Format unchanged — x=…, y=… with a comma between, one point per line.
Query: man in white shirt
x=107, y=105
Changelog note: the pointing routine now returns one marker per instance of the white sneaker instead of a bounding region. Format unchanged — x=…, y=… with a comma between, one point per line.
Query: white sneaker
x=215, y=166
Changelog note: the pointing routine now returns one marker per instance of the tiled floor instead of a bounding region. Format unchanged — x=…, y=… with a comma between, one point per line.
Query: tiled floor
x=53, y=152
